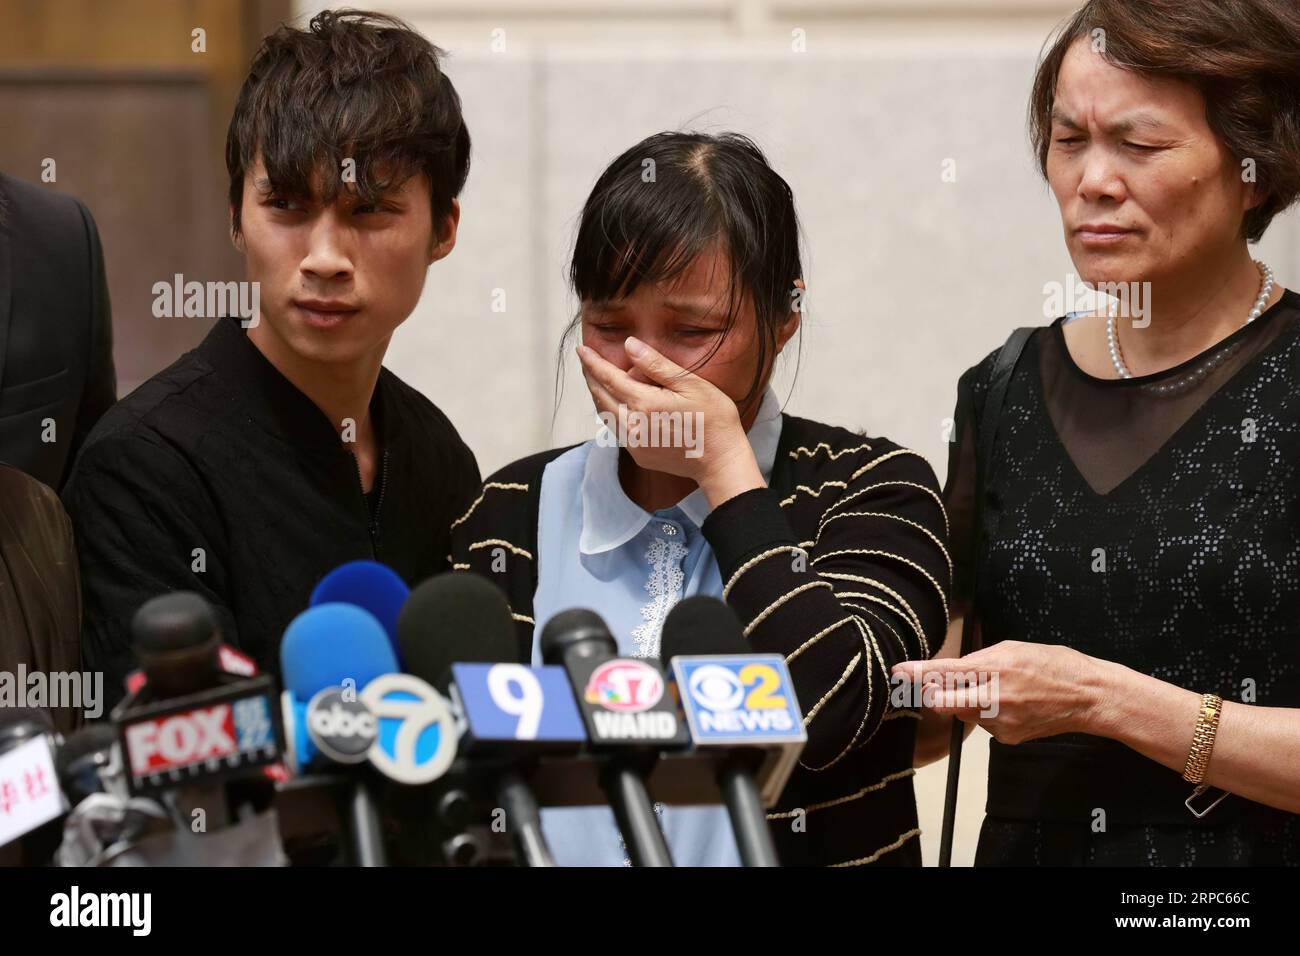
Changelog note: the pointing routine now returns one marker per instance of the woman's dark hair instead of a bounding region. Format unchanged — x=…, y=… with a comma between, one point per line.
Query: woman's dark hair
x=1243, y=56
x=356, y=85
x=673, y=196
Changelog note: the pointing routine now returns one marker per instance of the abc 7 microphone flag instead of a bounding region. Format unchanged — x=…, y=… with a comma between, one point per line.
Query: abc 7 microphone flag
x=397, y=722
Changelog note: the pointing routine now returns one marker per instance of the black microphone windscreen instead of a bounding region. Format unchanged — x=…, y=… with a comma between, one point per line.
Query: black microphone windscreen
x=577, y=625
x=702, y=625
x=172, y=622
x=456, y=618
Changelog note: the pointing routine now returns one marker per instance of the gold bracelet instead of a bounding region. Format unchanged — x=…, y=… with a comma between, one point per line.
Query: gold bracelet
x=1207, y=725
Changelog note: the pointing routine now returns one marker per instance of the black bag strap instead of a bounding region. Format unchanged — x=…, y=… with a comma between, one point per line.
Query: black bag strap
x=1004, y=368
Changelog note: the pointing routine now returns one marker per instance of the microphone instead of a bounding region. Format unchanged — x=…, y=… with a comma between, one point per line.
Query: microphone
x=85, y=762
x=349, y=704
x=55, y=791
x=30, y=796
x=231, y=662
x=467, y=612
x=740, y=705
x=103, y=815
x=457, y=632
x=369, y=585
x=627, y=715
x=194, y=734
x=329, y=652
x=177, y=641
x=46, y=782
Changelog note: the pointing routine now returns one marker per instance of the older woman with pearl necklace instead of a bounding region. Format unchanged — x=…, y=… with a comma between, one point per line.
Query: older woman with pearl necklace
x=1126, y=520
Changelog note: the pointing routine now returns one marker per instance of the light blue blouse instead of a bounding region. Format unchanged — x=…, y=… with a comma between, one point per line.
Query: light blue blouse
x=597, y=549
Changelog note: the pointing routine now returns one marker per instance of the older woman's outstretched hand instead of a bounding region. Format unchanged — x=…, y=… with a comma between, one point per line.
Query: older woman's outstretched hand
x=1016, y=691
x=699, y=432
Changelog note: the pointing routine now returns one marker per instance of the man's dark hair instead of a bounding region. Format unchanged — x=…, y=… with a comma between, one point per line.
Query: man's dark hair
x=353, y=85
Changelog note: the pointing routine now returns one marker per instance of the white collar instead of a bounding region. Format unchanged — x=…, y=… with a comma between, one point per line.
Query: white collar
x=610, y=518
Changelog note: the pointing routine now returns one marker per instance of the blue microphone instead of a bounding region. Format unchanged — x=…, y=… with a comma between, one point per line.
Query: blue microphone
x=330, y=653
x=328, y=646
x=331, y=643
x=370, y=585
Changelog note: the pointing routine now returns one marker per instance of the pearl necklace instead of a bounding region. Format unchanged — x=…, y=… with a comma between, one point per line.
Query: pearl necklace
x=1116, y=359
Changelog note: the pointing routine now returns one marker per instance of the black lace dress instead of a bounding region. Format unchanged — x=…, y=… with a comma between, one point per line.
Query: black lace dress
x=1152, y=521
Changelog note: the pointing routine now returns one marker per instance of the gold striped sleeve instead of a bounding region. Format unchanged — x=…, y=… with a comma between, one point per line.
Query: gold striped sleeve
x=906, y=612
x=815, y=638
x=503, y=485
x=840, y=502
x=830, y=452
x=888, y=848
x=869, y=636
x=838, y=801
x=771, y=608
x=814, y=492
x=869, y=645
x=488, y=542
x=885, y=457
x=943, y=598
x=808, y=717
x=883, y=623
x=893, y=517
x=782, y=549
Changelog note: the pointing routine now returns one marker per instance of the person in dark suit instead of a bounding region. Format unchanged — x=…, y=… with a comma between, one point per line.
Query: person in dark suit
x=56, y=341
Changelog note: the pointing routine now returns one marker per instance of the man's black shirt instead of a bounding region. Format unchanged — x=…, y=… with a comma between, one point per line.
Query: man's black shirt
x=219, y=476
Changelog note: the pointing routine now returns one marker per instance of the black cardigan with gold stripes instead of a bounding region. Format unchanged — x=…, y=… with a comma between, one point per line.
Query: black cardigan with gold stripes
x=841, y=565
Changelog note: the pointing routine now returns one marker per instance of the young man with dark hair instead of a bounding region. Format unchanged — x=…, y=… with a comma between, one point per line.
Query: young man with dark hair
x=269, y=455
